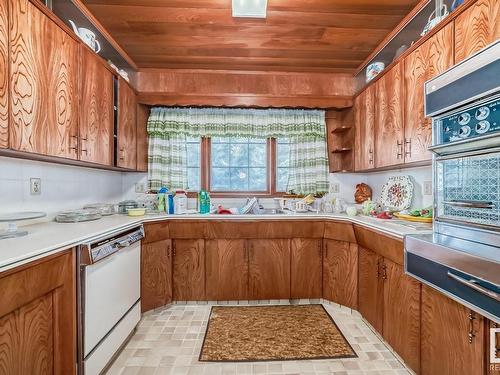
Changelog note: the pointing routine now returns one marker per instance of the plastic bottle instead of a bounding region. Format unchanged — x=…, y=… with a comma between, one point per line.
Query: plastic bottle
x=204, y=202
x=180, y=202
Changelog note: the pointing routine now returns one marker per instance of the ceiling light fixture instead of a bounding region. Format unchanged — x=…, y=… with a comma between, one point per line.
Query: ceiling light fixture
x=250, y=8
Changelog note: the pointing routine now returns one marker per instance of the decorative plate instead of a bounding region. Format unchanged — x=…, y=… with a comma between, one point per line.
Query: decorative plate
x=397, y=193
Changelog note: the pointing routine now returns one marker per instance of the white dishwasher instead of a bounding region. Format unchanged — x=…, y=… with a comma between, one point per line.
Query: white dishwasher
x=109, y=297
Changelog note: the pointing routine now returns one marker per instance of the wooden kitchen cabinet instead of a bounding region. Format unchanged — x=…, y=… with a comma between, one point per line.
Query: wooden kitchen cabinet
x=401, y=312
x=226, y=270
x=38, y=317
x=340, y=273
x=306, y=268
x=430, y=59
x=452, y=337
x=269, y=269
x=389, y=128
x=476, y=27
x=142, y=137
x=4, y=74
x=189, y=270
x=364, y=116
x=156, y=274
x=371, y=288
x=96, y=120
x=43, y=84
x=127, y=126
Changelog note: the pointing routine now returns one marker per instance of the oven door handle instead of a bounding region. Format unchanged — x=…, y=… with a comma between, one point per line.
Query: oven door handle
x=474, y=285
x=471, y=204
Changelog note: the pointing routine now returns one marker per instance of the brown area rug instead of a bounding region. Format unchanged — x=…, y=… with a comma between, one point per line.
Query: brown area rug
x=272, y=333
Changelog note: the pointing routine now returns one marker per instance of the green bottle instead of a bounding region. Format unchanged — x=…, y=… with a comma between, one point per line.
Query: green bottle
x=204, y=202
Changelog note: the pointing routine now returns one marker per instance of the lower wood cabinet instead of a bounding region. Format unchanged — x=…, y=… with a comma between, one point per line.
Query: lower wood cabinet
x=306, y=268
x=189, y=270
x=370, y=287
x=226, y=270
x=452, y=337
x=340, y=273
x=269, y=279
x=38, y=317
x=156, y=271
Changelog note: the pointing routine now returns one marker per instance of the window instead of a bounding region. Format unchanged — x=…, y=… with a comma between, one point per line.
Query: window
x=238, y=165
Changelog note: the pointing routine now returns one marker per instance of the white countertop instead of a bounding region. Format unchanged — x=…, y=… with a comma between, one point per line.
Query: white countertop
x=50, y=237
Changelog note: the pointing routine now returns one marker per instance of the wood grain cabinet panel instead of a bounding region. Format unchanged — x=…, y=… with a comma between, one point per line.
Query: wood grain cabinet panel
x=96, y=118
x=370, y=288
x=476, y=27
x=446, y=347
x=142, y=137
x=364, y=119
x=127, y=126
x=306, y=268
x=43, y=84
x=269, y=269
x=430, y=59
x=189, y=270
x=226, y=270
x=4, y=74
x=38, y=318
x=340, y=273
x=156, y=274
x=402, y=313
x=389, y=131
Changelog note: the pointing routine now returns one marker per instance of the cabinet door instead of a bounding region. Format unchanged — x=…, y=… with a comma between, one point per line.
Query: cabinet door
x=389, y=131
x=370, y=288
x=452, y=337
x=430, y=59
x=476, y=27
x=127, y=126
x=4, y=74
x=402, y=313
x=96, y=120
x=340, y=273
x=156, y=274
x=38, y=318
x=306, y=268
x=43, y=84
x=269, y=269
x=142, y=137
x=365, y=129
x=189, y=270
x=227, y=270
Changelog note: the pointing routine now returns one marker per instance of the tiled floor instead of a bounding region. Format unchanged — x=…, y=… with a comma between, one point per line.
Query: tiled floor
x=168, y=341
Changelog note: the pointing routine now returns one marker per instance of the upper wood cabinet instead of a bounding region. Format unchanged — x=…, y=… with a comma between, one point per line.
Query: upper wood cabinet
x=269, y=269
x=43, y=84
x=189, y=270
x=142, y=137
x=306, y=268
x=127, y=126
x=364, y=119
x=430, y=59
x=156, y=274
x=38, y=317
x=452, y=337
x=96, y=117
x=476, y=27
x=226, y=270
x=389, y=130
x=340, y=273
x=4, y=74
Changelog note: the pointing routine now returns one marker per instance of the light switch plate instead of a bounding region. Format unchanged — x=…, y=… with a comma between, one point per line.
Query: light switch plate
x=335, y=188
x=427, y=187
x=140, y=187
x=35, y=186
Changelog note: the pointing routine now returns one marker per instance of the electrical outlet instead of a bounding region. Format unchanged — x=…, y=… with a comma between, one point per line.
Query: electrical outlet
x=140, y=187
x=427, y=187
x=335, y=188
x=35, y=186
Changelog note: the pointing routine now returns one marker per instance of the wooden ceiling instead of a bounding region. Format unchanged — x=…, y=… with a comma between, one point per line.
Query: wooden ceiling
x=297, y=35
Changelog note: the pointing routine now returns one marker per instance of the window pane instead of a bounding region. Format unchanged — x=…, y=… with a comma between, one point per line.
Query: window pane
x=239, y=179
x=193, y=179
x=220, y=179
x=283, y=155
x=258, y=155
x=282, y=179
x=220, y=155
x=193, y=154
x=239, y=155
x=257, y=179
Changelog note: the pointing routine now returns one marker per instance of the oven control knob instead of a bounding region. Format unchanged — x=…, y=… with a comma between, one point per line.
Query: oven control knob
x=464, y=131
x=464, y=118
x=482, y=126
x=482, y=113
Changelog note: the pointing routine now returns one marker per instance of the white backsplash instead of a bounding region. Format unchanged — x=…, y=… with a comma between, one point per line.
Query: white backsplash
x=376, y=180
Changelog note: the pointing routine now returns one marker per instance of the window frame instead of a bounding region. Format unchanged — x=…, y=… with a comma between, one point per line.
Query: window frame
x=206, y=168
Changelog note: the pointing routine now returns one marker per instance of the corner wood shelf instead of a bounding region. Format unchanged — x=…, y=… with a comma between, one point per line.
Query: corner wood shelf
x=341, y=150
x=341, y=129
x=340, y=140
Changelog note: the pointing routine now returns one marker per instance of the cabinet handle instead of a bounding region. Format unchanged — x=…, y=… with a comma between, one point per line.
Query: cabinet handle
x=472, y=333
x=370, y=160
x=122, y=154
x=75, y=148
x=408, y=147
x=168, y=251
x=400, y=150
x=173, y=249
x=84, y=139
x=378, y=269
